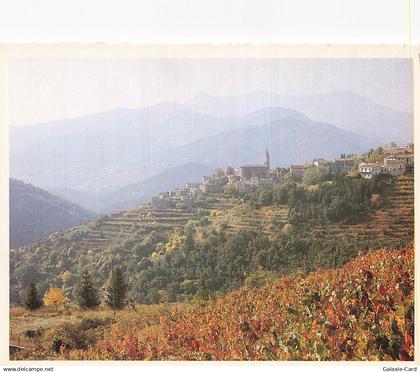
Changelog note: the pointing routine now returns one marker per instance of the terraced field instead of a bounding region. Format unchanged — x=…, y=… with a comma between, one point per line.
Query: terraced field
x=131, y=238
x=270, y=219
x=136, y=222
x=219, y=208
x=392, y=219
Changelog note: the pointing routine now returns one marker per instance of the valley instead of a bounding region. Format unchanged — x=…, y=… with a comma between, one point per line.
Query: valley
x=146, y=239
x=212, y=207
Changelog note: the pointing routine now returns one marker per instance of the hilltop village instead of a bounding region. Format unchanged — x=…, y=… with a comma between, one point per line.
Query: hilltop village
x=227, y=245
x=397, y=160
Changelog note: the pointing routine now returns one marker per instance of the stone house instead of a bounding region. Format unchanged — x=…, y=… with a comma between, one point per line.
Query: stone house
x=341, y=166
x=395, y=167
x=323, y=166
x=244, y=186
x=368, y=170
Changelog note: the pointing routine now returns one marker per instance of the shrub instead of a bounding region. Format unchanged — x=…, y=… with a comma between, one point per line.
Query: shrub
x=92, y=323
x=67, y=336
x=204, y=221
x=362, y=311
x=202, y=212
x=259, y=278
x=34, y=333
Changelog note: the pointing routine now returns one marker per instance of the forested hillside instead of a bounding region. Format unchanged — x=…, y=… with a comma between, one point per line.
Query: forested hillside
x=178, y=255
x=36, y=213
x=362, y=311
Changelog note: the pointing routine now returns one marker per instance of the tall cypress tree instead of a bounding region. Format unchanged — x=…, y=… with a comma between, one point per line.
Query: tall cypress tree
x=86, y=293
x=116, y=289
x=31, y=299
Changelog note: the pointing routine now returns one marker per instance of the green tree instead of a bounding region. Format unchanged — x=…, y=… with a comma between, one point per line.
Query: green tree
x=31, y=299
x=230, y=171
x=265, y=197
x=86, y=292
x=312, y=176
x=116, y=289
x=280, y=195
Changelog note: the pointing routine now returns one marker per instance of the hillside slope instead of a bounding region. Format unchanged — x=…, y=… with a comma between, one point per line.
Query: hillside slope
x=35, y=213
x=360, y=312
x=176, y=254
x=363, y=311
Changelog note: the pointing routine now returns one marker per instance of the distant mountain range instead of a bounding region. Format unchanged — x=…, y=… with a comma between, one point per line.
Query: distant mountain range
x=345, y=110
x=36, y=213
x=122, y=157
x=101, y=153
x=289, y=141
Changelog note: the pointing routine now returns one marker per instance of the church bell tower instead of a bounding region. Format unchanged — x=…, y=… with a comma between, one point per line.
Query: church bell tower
x=267, y=159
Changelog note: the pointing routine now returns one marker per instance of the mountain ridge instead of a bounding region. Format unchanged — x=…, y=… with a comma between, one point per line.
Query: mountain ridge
x=274, y=135
x=103, y=153
x=36, y=213
x=136, y=193
x=339, y=108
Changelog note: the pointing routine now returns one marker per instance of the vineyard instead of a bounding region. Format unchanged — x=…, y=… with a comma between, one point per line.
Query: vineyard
x=362, y=311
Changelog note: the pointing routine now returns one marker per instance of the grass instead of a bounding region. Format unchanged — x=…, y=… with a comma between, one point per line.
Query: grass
x=47, y=319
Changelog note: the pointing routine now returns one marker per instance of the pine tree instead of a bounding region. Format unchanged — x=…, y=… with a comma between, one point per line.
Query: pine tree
x=31, y=299
x=86, y=292
x=116, y=289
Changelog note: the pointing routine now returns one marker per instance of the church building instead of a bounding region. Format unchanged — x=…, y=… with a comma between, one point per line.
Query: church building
x=256, y=170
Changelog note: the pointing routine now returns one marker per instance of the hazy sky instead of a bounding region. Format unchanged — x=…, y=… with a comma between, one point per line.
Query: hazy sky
x=47, y=89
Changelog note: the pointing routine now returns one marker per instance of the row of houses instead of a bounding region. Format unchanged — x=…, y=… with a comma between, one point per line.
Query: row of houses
x=248, y=177
x=327, y=167
x=244, y=179
x=398, y=160
x=391, y=165
x=395, y=164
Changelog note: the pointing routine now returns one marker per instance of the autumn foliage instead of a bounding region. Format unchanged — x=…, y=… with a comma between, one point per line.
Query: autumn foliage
x=54, y=297
x=363, y=311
